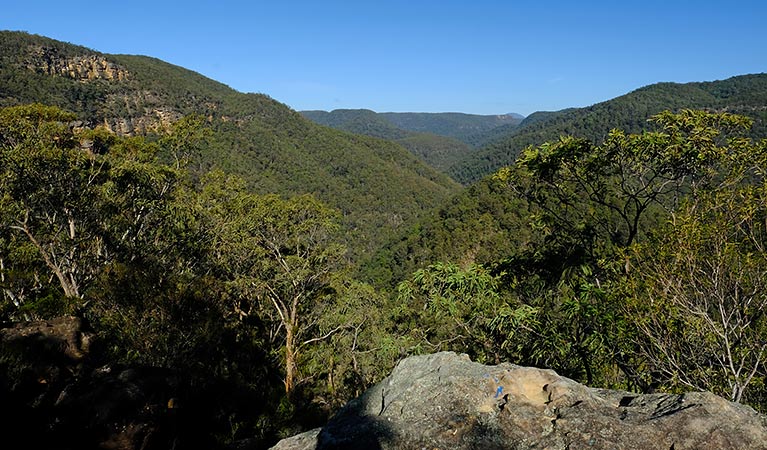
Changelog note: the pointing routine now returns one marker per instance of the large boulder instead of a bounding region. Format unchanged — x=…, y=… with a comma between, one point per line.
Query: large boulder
x=445, y=401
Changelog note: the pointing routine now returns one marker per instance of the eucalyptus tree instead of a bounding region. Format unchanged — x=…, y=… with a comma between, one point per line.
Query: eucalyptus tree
x=278, y=257
x=49, y=194
x=699, y=287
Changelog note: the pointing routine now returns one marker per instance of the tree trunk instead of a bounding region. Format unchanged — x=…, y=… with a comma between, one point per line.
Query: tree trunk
x=290, y=360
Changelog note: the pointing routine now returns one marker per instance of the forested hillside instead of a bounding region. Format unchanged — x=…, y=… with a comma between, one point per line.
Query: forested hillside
x=481, y=224
x=472, y=129
x=745, y=95
x=376, y=184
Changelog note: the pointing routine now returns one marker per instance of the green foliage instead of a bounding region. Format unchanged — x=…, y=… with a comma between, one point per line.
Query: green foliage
x=430, y=140
x=48, y=193
x=589, y=202
x=479, y=225
x=446, y=307
x=603, y=193
x=471, y=129
x=697, y=287
x=570, y=210
x=437, y=151
x=358, y=121
x=277, y=257
x=632, y=260
x=566, y=200
x=185, y=272
x=361, y=350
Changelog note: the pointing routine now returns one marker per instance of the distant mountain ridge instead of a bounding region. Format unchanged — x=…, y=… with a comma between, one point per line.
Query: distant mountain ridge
x=468, y=128
x=439, y=139
x=359, y=121
x=377, y=185
x=440, y=152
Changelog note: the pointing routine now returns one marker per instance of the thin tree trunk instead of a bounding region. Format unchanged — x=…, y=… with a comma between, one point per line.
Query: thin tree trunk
x=69, y=288
x=290, y=360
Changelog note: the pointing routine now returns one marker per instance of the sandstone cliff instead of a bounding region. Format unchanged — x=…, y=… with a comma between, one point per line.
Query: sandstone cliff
x=47, y=60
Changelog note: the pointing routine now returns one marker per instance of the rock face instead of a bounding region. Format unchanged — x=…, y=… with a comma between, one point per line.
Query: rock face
x=82, y=68
x=445, y=401
x=148, y=113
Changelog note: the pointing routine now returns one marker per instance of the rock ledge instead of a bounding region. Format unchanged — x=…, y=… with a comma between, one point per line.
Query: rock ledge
x=445, y=401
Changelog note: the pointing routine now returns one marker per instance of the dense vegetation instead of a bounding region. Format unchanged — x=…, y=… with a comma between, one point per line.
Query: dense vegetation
x=178, y=271
x=746, y=95
x=471, y=129
x=218, y=246
x=441, y=140
x=638, y=263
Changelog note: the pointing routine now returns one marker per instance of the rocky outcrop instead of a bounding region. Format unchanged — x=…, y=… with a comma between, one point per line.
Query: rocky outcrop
x=144, y=111
x=154, y=120
x=445, y=401
x=62, y=336
x=82, y=67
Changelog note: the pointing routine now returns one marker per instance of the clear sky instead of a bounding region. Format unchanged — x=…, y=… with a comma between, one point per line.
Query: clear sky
x=474, y=56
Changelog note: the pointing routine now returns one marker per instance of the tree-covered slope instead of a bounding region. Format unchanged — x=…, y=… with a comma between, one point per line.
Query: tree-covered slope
x=359, y=121
x=473, y=130
x=746, y=95
x=376, y=184
x=468, y=128
x=479, y=225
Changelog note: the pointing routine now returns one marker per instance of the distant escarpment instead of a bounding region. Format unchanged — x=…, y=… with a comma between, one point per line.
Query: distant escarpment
x=446, y=401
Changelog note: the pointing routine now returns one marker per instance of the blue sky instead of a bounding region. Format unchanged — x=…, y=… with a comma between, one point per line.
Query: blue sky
x=480, y=56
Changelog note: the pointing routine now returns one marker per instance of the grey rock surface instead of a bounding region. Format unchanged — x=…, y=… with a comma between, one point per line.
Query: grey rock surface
x=445, y=401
